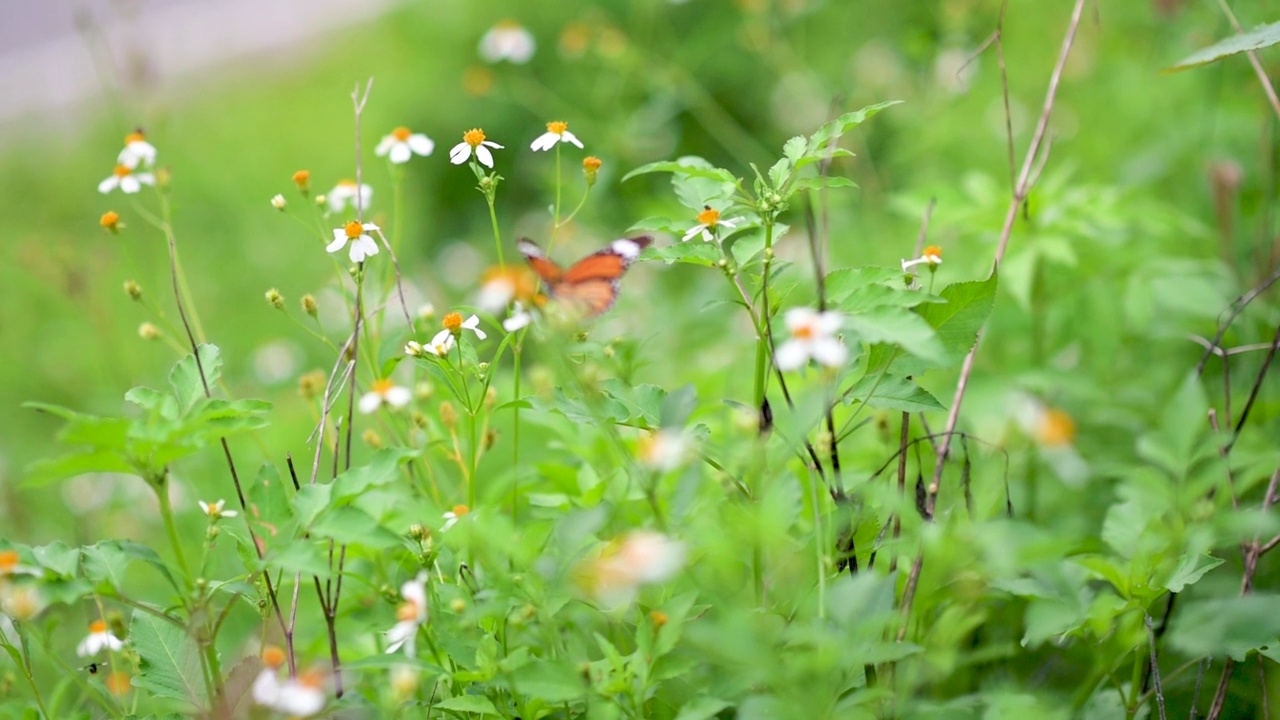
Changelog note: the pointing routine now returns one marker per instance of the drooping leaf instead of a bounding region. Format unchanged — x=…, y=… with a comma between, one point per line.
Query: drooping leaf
x=889, y=392
x=1258, y=38
x=185, y=378
x=902, y=328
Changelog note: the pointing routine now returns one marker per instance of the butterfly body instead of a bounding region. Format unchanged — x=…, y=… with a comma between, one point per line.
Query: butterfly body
x=590, y=284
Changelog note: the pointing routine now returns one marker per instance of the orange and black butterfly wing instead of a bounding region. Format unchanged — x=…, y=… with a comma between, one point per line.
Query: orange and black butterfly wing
x=550, y=272
x=592, y=282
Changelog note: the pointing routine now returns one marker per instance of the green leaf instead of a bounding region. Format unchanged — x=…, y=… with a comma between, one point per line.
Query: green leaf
x=701, y=708
x=794, y=148
x=817, y=146
x=958, y=320
x=185, y=376
x=689, y=166
x=694, y=252
x=82, y=429
x=57, y=558
x=553, y=681
x=382, y=469
x=44, y=472
x=1231, y=626
x=1190, y=569
x=353, y=526
x=902, y=328
x=842, y=283
x=310, y=501
x=889, y=392
x=1260, y=37
x=817, y=182
x=170, y=663
x=478, y=704
x=106, y=562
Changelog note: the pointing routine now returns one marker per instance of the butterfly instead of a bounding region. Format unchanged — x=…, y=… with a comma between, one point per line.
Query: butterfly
x=590, y=284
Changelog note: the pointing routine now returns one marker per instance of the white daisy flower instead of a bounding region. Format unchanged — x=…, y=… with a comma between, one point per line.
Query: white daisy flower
x=932, y=256
x=127, y=180
x=664, y=450
x=137, y=151
x=215, y=511
x=384, y=391
x=473, y=142
x=402, y=144
x=812, y=336
x=440, y=345
x=410, y=615
x=454, y=323
x=362, y=245
x=451, y=517
x=10, y=564
x=641, y=558
x=509, y=41
x=557, y=132
x=278, y=202
x=302, y=696
x=519, y=318
x=708, y=220
x=99, y=637
x=345, y=192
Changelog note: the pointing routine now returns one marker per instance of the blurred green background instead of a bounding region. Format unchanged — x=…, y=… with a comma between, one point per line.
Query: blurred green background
x=1124, y=236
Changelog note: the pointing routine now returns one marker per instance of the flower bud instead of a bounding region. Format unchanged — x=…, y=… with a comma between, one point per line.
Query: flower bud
x=110, y=221
x=275, y=299
x=309, y=305
x=490, y=398
x=590, y=166
x=458, y=605
x=311, y=384
x=658, y=618
x=147, y=331
x=448, y=415
x=372, y=438
x=278, y=202
x=133, y=289
x=302, y=179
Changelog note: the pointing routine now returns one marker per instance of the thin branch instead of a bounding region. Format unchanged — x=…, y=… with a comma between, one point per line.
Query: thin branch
x=1155, y=667
x=1258, y=70
x=1237, y=306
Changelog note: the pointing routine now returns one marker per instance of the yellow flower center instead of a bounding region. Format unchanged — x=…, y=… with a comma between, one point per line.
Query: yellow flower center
x=401, y=133
x=313, y=679
x=122, y=171
x=473, y=137
x=557, y=126
x=383, y=386
x=591, y=163
x=709, y=217
x=97, y=626
x=301, y=178
x=406, y=611
x=353, y=230
x=658, y=617
x=272, y=656
x=349, y=184
x=460, y=510
x=8, y=561
x=453, y=322
x=133, y=137
x=119, y=683
x=214, y=510
x=932, y=250
x=1056, y=428
x=804, y=332
x=109, y=219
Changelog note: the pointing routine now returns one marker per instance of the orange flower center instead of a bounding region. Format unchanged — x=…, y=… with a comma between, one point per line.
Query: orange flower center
x=353, y=230
x=383, y=386
x=932, y=250
x=804, y=332
x=119, y=683
x=313, y=679
x=301, y=177
x=401, y=133
x=473, y=137
x=109, y=219
x=272, y=656
x=591, y=163
x=122, y=171
x=709, y=217
x=557, y=126
x=134, y=137
x=1056, y=428
x=453, y=322
x=215, y=509
x=658, y=617
x=8, y=561
x=460, y=510
x=406, y=611
x=97, y=626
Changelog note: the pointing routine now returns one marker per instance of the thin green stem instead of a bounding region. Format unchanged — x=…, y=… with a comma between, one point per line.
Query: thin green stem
x=166, y=513
x=25, y=667
x=555, y=225
x=515, y=432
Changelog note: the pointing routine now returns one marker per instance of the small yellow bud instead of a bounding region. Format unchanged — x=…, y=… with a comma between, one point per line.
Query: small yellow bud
x=458, y=605
x=133, y=289
x=147, y=331
x=419, y=532
x=418, y=419
x=590, y=167
x=658, y=618
x=490, y=437
x=424, y=390
x=302, y=179
x=372, y=438
x=311, y=384
x=110, y=221
x=164, y=178
x=309, y=305
x=321, y=200
x=275, y=299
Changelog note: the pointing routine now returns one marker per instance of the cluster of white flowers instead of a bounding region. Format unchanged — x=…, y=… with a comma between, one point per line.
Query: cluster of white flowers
x=132, y=166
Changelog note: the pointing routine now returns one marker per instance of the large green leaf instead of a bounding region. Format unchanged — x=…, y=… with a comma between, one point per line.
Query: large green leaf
x=958, y=320
x=899, y=327
x=353, y=526
x=1226, y=626
x=170, y=661
x=889, y=392
x=382, y=469
x=186, y=380
x=1260, y=37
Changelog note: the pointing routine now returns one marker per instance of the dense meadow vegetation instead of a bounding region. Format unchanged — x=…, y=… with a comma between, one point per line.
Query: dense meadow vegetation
x=936, y=384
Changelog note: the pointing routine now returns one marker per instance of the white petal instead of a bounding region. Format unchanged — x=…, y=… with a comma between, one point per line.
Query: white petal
x=907, y=264
x=399, y=396
x=799, y=317
x=517, y=321
x=484, y=156
x=829, y=322
x=109, y=184
x=300, y=700
x=491, y=144
x=370, y=227
x=421, y=144
x=402, y=634
x=569, y=137
x=365, y=247
x=369, y=402
x=130, y=184
x=339, y=241
x=543, y=142
x=266, y=689
x=204, y=507
x=459, y=153
x=791, y=354
x=112, y=642
x=228, y=513
x=145, y=178
x=385, y=145
x=401, y=153
x=693, y=231
x=707, y=236
x=829, y=352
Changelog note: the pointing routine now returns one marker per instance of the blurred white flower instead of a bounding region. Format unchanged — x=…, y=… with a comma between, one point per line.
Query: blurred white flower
x=362, y=245
x=402, y=144
x=384, y=391
x=451, y=518
x=557, y=132
x=473, y=141
x=518, y=319
x=278, y=202
x=641, y=558
x=664, y=450
x=439, y=346
x=11, y=564
x=99, y=637
x=508, y=40
x=411, y=614
x=708, y=220
x=1054, y=430
x=346, y=192
x=127, y=180
x=137, y=151
x=215, y=511
x=812, y=336
x=931, y=256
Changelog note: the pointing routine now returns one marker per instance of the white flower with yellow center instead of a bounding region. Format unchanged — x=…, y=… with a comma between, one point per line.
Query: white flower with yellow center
x=451, y=518
x=641, y=558
x=520, y=318
x=473, y=142
x=298, y=697
x=403, y=144
x=137, y=151
x=557, y=132
x=384, y=391
x=932, y=257
x=346, y=191
x=813, y=335
x=127, y=180
x=665, y=450
x=362, y=245
x=215, y=511
x=99, y=637
x=708, y=220
x=11, y=564
x=508, y=40
x=410, y=615
x=454, y=323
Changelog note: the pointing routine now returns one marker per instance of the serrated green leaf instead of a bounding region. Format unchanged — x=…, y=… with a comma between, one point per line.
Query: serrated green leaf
x=902, y=328
x=889, y=392
x=1191, y=567
x=701, y=708
x=57, y=558
x=794, y=148
x=352, y=526
x=185, y=378
x=170, y=661
x=477, y=704
x=958, y=320
x=43, y=472
x=817, y=145
x=689, y=166
x=694, y=252
x=1231, y=626
x=1260, y=37
x=818, y=182
x=310, y=501
x=383, y=468
x=552, y=681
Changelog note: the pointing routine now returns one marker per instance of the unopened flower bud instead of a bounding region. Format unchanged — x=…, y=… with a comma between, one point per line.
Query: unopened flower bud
x=133, y=289
x=322, y=200
x=278, y=202
x=110, y=221
x=372, y=438
x=419, y=532
x=302, y=179
x=490, y=437
x=490, y=398
x=309, y=305
x=658, y=618
x=590, y=166
x=275, y=299
x=311, y=384
x=424, y=390
x=418, y=419
x=147, y=331
x=164, y=178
